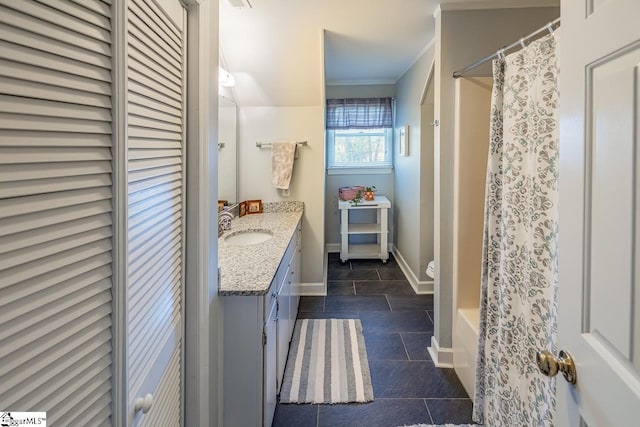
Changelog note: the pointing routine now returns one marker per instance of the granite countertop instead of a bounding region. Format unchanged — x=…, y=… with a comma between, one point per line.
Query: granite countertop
x=249, y=269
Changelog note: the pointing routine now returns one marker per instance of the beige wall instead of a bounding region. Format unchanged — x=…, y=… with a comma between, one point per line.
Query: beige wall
x=462, y=37
x=270, y=124
x=412, y=195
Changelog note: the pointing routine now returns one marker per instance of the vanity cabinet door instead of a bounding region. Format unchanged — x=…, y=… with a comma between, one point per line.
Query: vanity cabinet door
x=270, y=379
x=283, y=328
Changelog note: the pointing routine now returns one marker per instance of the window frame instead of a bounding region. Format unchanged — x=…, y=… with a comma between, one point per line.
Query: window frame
x=385, y=167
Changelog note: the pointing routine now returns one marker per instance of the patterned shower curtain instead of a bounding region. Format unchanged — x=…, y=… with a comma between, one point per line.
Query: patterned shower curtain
x=520, y=270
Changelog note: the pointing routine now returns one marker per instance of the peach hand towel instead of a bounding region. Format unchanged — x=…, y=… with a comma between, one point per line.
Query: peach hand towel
x=282, y=157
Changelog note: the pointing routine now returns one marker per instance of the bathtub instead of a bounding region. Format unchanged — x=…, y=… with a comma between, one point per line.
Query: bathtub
x=465, y=342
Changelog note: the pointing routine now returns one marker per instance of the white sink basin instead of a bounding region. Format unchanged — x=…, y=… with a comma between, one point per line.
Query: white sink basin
x=248, y=237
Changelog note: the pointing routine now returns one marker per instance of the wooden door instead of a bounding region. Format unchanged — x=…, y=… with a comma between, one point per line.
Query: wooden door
x=599, y=297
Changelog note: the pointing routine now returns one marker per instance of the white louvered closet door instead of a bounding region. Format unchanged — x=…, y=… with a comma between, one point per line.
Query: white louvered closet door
x=156, y=38
x=55, y=209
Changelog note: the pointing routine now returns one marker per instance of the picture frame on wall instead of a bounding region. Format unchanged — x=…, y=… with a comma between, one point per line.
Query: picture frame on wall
x=403, y=140
x=254, y=206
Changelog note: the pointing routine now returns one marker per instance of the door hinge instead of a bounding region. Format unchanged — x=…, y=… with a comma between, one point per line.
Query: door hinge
x=264, y=338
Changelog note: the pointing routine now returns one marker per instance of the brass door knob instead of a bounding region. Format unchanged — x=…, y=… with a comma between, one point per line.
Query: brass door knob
x=550, y=365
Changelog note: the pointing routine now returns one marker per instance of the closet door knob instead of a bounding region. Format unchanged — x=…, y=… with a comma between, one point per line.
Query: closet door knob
x=143, y=403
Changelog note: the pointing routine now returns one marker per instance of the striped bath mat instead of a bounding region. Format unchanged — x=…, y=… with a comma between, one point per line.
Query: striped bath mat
x=327, y=363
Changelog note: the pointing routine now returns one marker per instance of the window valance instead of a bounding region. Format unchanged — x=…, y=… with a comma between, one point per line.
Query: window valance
x=359, y=113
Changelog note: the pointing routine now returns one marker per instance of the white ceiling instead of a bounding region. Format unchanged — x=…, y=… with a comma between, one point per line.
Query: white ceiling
x=274, y=49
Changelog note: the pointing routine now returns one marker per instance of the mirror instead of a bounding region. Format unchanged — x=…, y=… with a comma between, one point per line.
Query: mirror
x=227, y=150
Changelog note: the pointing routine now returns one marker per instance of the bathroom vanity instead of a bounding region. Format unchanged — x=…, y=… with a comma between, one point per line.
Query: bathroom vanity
x=260, y=303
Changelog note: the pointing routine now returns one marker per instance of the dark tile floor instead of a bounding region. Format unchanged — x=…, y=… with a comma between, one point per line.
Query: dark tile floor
x=397, y=325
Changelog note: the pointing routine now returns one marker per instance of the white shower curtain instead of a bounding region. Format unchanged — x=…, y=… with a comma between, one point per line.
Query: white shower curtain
x=519, y=271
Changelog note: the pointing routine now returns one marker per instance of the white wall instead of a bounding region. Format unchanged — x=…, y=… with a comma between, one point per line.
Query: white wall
x=269, y=124
x=384, y=182
x=462, y=37
x=413, y=197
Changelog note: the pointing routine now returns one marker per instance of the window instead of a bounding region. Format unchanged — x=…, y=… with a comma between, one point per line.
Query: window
x=353, y=148
x=359, y=134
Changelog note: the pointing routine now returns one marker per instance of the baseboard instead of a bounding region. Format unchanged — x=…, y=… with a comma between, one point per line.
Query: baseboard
x=332, y=247
x=442, y=357
x=421, y=287
x=311, y=289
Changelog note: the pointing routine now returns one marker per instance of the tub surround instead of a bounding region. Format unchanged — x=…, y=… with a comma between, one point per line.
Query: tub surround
x=250, y=269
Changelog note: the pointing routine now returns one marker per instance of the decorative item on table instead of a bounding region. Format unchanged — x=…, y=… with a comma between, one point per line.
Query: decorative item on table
x=222, y=204
x=349, y=193
x=369, y=192
x=254, y=206
x=242, y=209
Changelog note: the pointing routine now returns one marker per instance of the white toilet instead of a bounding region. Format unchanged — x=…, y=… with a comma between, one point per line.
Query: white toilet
x=431, y=269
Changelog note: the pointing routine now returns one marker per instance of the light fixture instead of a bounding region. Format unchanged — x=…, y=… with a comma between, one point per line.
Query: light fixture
x=225, y=79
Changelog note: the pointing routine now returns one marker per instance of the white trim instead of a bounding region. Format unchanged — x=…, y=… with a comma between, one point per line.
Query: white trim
x=386, y=170
x=202, y=385
x=421, y=287
x=361, y=82
x=311, y=289
x=330, y=248
x=325, y=264
x=496, y=4
x=430, y=77
x=442, y=356
x=385, y=166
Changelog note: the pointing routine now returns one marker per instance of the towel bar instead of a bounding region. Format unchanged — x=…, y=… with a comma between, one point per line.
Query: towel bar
x=268, y=144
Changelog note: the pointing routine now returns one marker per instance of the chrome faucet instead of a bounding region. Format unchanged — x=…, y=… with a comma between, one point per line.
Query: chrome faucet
x=224, y=222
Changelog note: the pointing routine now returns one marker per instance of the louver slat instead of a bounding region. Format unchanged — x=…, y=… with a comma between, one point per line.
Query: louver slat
x=75, y=37
x=155, y=129
x=55, y=209
x=57, y=79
